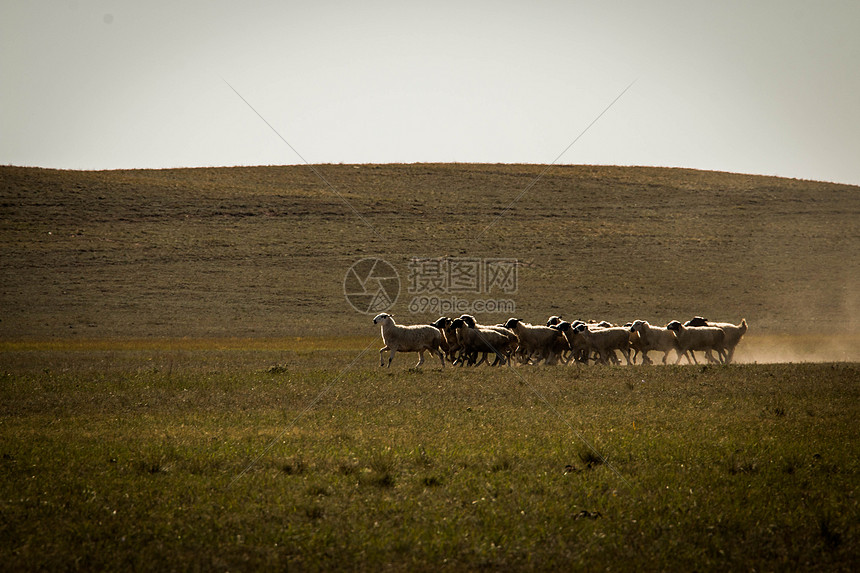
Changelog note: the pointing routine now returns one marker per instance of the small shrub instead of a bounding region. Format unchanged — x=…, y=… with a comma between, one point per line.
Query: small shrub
x=832, y=538
x=431, y=481
x=152, y=467
x=503, y=463
x=347, y=467
x=314, y=512
x=382, y=480
x=422, y=459
x=294, y=467
x=738, y=466
x=318, y=491
x=383, y=461
x=590, y=458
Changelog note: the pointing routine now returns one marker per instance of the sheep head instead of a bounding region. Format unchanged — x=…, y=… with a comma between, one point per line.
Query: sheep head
x=674, y=325
x=512, y=323
x=697, y=321
x=469, y=320
x=381, y=317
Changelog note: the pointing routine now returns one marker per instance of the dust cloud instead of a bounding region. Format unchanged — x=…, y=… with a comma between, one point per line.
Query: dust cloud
x=785, y=348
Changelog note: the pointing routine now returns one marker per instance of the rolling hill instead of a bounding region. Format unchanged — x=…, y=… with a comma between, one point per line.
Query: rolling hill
x=263, y=251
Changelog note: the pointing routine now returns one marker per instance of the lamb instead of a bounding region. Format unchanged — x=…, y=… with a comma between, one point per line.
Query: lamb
x=734, y=332
x=655, y=338
x=706, y=338
x=413, y=338
x=484, y=340
x=606, y=340
x=540, y=340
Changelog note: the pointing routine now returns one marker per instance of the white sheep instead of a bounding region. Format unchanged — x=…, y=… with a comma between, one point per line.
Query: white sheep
x=606, y=340
x=705, y=338
x=540, y=340
x=637, y=346
x=654, y=338
x=412, y=338
x=734, y=332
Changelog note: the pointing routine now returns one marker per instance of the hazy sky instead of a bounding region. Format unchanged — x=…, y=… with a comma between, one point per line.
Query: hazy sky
x=750, y=86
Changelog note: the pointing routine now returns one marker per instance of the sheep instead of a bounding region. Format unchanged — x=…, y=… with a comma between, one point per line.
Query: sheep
x=579, y=347
x=654, y=338
x=707, y=338
x=637, y=346
x=472, y=322
x=562, y=347
x=484, y=340
x=535, y=339
x=413, y=338
x=442, y=323
x=734, y=332
x=606, y=340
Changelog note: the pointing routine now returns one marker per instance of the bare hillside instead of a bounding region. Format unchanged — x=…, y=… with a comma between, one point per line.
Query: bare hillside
x=264, y=251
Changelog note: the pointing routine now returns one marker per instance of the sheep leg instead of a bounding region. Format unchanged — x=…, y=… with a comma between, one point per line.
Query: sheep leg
x=602, y=357
x=683, y=353
x=441, y=356
x=381, y=360
x=420, y=358
x=626, y=354
x=391, y=357
x=613, y=357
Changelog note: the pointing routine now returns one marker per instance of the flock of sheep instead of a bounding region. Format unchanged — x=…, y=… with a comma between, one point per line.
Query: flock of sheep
x=464, y=341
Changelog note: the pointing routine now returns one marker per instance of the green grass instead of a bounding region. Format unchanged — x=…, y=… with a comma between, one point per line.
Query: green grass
x=205, y=459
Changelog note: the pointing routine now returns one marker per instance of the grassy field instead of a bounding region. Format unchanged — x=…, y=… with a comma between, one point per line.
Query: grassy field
x=183, y=384
x=258, y=455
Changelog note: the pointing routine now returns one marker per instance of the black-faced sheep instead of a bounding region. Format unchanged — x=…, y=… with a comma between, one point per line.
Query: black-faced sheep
x=412, y=338
x=483, y=340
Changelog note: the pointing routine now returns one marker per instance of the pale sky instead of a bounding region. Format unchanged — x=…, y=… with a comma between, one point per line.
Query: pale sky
x=761, y=87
